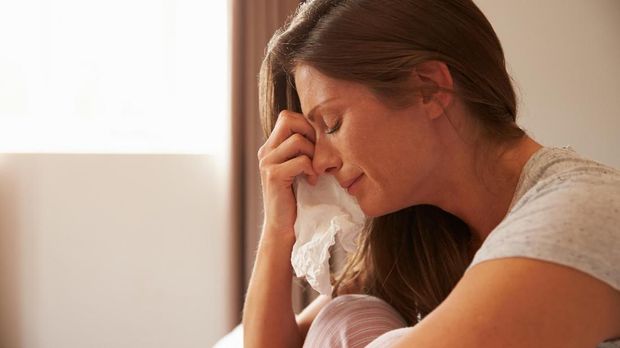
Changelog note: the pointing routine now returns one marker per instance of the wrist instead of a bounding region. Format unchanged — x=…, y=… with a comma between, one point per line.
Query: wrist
x=272, y=235
x=275, y=254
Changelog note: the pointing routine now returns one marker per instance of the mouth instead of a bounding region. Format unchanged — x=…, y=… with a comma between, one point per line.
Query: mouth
x=348, y=184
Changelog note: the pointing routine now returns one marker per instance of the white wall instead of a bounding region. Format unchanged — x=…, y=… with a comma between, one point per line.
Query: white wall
x=565, y=58
x=113, y=251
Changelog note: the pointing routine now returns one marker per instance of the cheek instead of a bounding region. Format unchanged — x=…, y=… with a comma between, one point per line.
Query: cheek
x=370, y=152
x=390, y=181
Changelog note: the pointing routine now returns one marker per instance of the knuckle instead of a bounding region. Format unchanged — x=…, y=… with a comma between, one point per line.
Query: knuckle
x=284, y=115
x=305, y=159
x=271, y=174
x=297, y=137
x=289, y=113
x=261, y=151
x=266, y=173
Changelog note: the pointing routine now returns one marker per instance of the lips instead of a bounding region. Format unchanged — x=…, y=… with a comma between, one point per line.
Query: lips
x=348, y=183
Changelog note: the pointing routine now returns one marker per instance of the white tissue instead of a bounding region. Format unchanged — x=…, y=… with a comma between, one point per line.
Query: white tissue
x=323, y=211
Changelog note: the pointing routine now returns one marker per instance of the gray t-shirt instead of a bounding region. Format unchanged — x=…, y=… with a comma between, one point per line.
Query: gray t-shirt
x=566, y=210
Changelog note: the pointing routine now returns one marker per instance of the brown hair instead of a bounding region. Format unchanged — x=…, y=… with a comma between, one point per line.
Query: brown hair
x=411, y=258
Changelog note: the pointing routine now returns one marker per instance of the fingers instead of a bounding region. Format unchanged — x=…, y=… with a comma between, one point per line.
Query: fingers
x=292, y=147
x=288, y=123
x=289, y=150
x=295, y=156
x=286, y=172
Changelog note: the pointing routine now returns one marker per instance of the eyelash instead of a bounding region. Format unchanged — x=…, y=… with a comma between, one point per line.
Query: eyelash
x=334, y=129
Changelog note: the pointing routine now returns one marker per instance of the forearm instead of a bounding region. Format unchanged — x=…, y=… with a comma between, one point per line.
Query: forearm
x=268, y=317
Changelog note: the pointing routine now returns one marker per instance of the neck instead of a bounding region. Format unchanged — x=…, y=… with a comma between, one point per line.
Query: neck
x=481, y=196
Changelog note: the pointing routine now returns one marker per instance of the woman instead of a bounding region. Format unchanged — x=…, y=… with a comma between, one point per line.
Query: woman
x=478, y=236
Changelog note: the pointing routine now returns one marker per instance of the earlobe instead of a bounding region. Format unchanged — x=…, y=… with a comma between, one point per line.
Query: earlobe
x=435, y=80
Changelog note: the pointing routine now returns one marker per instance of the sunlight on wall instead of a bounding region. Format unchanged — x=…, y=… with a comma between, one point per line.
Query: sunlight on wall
x=117, y=76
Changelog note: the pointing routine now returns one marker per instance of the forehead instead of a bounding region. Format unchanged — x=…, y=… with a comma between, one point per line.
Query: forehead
x=315, y=88
x=309, y=81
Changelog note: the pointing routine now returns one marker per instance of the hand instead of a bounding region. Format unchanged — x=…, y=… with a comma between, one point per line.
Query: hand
x=288, y=152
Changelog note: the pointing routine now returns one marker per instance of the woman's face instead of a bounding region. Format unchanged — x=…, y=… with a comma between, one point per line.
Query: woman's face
x=391, y=152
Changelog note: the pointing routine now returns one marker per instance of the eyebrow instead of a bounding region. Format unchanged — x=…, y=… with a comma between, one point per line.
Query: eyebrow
x=318, y=106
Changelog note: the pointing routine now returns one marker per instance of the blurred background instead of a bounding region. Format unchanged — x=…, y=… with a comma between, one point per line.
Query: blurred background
x=129, y=191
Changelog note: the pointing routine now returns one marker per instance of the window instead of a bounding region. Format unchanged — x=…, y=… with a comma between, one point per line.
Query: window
x=116, y=76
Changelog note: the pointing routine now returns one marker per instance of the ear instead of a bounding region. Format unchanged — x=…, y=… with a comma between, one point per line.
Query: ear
x=433, y=76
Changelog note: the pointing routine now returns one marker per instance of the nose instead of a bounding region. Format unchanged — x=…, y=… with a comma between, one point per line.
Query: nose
x=325, y=160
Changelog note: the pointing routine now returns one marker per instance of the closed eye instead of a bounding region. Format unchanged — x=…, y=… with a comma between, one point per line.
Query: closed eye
x=333, y=129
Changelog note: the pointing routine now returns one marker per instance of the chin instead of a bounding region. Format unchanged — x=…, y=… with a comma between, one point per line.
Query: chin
x=370, y=214
x=376, y=210
x=373, y=211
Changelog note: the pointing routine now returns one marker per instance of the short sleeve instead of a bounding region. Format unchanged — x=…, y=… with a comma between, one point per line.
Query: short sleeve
x=569, y=219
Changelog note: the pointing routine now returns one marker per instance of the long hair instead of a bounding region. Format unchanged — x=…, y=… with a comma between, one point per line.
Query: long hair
x=411, y=258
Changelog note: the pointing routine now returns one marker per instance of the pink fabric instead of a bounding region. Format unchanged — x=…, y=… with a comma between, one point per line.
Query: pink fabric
x=388, y=339
x=354, y=321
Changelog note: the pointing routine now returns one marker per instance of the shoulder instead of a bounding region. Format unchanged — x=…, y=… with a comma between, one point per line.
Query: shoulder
x=570, y=202
x=571, y=218
x=561, y=171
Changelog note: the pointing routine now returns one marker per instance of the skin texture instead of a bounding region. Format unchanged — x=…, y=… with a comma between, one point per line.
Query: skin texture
x=416, y=155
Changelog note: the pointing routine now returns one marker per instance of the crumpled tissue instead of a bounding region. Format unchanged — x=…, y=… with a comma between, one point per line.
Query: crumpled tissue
x=323, y=211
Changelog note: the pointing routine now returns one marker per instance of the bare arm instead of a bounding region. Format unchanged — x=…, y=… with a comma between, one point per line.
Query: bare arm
x=268, y=317
x=521, y=302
